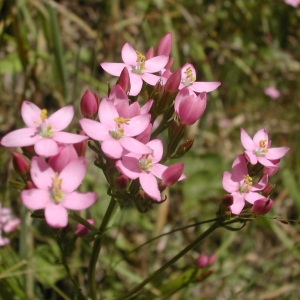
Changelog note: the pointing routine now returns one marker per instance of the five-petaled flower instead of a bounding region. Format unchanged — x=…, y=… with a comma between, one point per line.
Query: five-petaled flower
x=42, y=131
x=55, y=192
x=259, y=148
x=140, y=68
x=240, y=185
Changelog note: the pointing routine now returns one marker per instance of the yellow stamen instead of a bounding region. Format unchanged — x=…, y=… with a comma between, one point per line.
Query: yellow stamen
x=141, y=59
x=263, y=144
x=57, y=193
x=121, y=120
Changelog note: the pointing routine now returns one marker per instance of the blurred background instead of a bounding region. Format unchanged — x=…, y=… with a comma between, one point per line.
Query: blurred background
x=50, y=53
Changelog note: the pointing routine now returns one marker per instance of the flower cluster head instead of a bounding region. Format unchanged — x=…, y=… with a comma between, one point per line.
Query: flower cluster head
x=241, y=184
x=8, y=223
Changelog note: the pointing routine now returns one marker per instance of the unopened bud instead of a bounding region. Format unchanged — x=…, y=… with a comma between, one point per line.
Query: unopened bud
x=82, y=230
x=20, y=163
x=262, y=206
x=184, y=148
x=227, y=200
x=172, y=174
x=206, y=260
x=165, y=45
x=124, y=80
x=122, y=182
x=173, y=81
x=89, y=104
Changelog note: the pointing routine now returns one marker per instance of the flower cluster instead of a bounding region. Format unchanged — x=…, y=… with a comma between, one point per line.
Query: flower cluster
x=240, y=182
x=8, y=223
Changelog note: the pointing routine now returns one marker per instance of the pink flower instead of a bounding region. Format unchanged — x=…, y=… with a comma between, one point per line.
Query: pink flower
x=8, y=223
x=42, y=131
x=206, y=260
x=189, y=107
x=145, y=167
x=115, y=132
x=55, y=192
x=188, y=79
x=240, y=185
x=294, y=3
x=140, y=69
x=272, y=92
x=258, y=149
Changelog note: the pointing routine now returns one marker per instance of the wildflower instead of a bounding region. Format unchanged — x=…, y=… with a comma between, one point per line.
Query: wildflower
x=258, y=149
x=116, y=132
x=188, y=79
x=272, y=92
x=206, y=260
x=89, y=104
x=294, y=3
x=42, y=131
x=240, y=185
x=140, y=69
x=55, y=191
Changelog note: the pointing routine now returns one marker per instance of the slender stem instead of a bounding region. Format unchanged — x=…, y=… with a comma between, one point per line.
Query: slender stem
x=214, y=226
x=97, y=247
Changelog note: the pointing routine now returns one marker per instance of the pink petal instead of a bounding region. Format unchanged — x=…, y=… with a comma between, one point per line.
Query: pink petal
x=277, y=153
x=56, y=215
x=136, y=84
x=20, y=138
x=172, y=174
x=229, y=185
x=94, y=129
x=260, y=135
x=238, y=203
x=41, y=173
x=150, y=78
x=137, y=125
x=78, y=201
x=114, y=69
x=129, y=55
x=68, y=138
x=251, y=157
x=73, y=174
x=129, y=166
x=112, y=148
x=156, y=64
x=158, y=149
x=107, y=113
x=265, y=162
x=150, y=186
x=247, y=141
x=158, y=170
x=239, y=169
x=61, y=118
x=252, y=196
x=31, y=114
x=207, y=87
x=46, y=147
x=35, y=199
x=132, y=145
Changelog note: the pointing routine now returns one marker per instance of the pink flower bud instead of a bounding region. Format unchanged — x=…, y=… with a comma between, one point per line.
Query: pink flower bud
x=173, y=81
x=206, y=260
x=66, y=154
x=165, y=45
x=82, y=230
x=262, y=206
x=172, y=174
x=122, y=182
x=81, y=146
x=20, y=163
x=89, y=104
x=150, y=53
x=124, y=80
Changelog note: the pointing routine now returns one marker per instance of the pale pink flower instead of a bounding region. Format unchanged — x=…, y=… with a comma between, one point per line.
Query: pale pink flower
x=55, y=192
x=240, y=185
x=188, y=79
x=259, y=148
x=189, y=107
x=42, y=131
x=8, y=223
x=272, y=92
x=140, y=69
x=116, y=132
x=145, y=167
x=294, y=3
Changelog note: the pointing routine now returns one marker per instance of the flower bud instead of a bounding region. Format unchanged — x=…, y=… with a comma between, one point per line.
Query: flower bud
x=173, y=82
x=183, y=149
x=150, y=53
x=89, y=104
x=82, y=230
x=122, y=182
x=20, y=163
x=165, y=45
x=172, y=174
x=206, y=260
x=124, y=80
x=262, y=206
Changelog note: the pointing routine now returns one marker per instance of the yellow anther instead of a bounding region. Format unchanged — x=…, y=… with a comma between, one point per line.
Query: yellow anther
x=121, y=120
x=44, y=114
x=263, y=144
x=141, y=59
x=57, y=193
x=189, y=74
x=248, y=180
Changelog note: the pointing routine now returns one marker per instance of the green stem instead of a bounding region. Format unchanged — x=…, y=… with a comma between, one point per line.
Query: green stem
x=214, y=226
x=97, y=247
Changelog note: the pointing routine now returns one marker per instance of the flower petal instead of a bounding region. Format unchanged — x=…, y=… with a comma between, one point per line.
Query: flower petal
x=35, y=199
x=41, y=173
x=238, y=203
x=114, y=69
x=56, y=215
x=129, y=166
x=208, y=86
x=228, y=184
x=46, y=147
x=107, y=113
x=137, y=125
x=20, y=138
x=129, y=55
x=61, y=118
x=94, y=129
x=150, y=186
x=133, y=145
x=276, y=153
x=68, y=137
x=31, y=114
x=246, y=140
x=78, y=201
x=112, y=148
x=156, y=64
x=72, y=174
